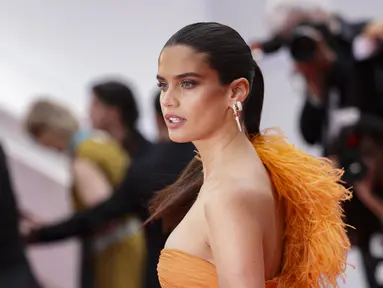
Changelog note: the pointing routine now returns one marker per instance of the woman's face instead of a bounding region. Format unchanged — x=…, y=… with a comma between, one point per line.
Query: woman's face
x=101, y=115
x=194, y=103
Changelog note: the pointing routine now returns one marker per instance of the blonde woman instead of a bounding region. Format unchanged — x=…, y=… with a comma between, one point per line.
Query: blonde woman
x=114, y=257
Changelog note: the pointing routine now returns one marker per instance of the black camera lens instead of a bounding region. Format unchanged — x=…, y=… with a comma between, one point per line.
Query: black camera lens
x=303, y=48
x=353, y=165
x=303, y=40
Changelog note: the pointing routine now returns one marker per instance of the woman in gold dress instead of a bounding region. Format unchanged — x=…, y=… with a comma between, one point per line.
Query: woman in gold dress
x=112, y=258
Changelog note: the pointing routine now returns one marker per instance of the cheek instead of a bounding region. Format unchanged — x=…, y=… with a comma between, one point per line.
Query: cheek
x=92, y=111
x=96, y=115
x=208, y=111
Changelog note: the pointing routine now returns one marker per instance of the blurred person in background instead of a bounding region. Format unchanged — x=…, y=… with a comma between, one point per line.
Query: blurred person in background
x=112, y=257
x=114, y=110
x=359, y=149
x=339, y=61
x=160, y=167
x=15, y=270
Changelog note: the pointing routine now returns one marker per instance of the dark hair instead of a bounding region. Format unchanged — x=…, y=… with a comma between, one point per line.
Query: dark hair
x=119, y=95
x=157, y=105
x=228, y=54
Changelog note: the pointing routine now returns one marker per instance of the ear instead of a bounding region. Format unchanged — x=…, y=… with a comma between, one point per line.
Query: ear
x=238, y=91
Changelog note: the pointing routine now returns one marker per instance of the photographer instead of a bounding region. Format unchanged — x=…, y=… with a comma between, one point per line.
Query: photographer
x=338, y=61
x=359, y=149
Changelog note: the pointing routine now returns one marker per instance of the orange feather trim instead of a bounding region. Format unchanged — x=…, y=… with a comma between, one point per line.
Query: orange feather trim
x=316, y=243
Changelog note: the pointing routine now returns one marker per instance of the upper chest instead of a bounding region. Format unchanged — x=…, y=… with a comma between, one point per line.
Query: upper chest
x=191, y=234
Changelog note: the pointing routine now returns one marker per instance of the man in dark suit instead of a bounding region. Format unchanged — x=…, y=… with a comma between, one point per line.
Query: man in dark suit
x=159, y=168
x=15, y=271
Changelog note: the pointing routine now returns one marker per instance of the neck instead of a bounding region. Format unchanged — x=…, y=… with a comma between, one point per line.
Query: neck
x=117, y=131
x=214, y=150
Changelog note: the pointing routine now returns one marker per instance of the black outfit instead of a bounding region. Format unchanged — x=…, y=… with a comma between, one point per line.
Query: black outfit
x=367, y=225
x=15, y=270
x=355, y=82
x=158, y=169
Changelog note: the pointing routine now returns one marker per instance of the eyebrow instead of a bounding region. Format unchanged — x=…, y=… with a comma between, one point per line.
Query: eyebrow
x=183, y=75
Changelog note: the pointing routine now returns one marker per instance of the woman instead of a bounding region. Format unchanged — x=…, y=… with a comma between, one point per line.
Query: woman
x=270, y=214
x=114, y=256
x=113, y=109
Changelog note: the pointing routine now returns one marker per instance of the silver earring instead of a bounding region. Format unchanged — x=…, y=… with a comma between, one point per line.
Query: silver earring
x=237, y=108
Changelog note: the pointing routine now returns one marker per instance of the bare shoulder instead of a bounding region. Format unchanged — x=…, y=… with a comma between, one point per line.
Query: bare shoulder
x=238, y=196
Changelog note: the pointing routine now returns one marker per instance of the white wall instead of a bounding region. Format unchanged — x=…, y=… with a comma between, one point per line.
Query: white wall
x=56, y=47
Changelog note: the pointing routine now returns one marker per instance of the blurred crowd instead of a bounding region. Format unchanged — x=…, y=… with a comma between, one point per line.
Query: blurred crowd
x=116, y=171
x=341, y=63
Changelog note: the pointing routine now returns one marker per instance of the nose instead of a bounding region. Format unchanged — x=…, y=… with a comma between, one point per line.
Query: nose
x=169, y=98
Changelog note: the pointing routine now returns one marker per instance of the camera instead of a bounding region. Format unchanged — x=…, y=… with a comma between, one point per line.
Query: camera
x=303, y=39
x=349, y=156
x=347, y=148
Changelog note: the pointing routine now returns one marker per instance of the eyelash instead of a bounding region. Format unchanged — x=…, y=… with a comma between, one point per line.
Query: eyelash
x=191, y=84
x=161, y=85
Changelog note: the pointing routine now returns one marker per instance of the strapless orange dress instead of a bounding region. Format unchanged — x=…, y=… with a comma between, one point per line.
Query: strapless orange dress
x=177, y=269
x=315, y=240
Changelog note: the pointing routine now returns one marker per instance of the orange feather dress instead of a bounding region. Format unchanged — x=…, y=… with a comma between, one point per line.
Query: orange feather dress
x=316, y=244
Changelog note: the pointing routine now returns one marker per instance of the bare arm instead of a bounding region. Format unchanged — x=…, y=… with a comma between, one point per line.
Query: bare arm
x=237, y=221
x=364, y=191
x=374, y=204
x=92, y=185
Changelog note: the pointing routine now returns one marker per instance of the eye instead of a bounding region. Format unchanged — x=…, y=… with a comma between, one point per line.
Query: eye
x=163, y=86
x=188, y=84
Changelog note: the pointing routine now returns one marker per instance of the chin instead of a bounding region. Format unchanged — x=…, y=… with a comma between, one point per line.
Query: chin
x=179, y=137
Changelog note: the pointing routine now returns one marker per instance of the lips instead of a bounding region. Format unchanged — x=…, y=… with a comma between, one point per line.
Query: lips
x=174, y=121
